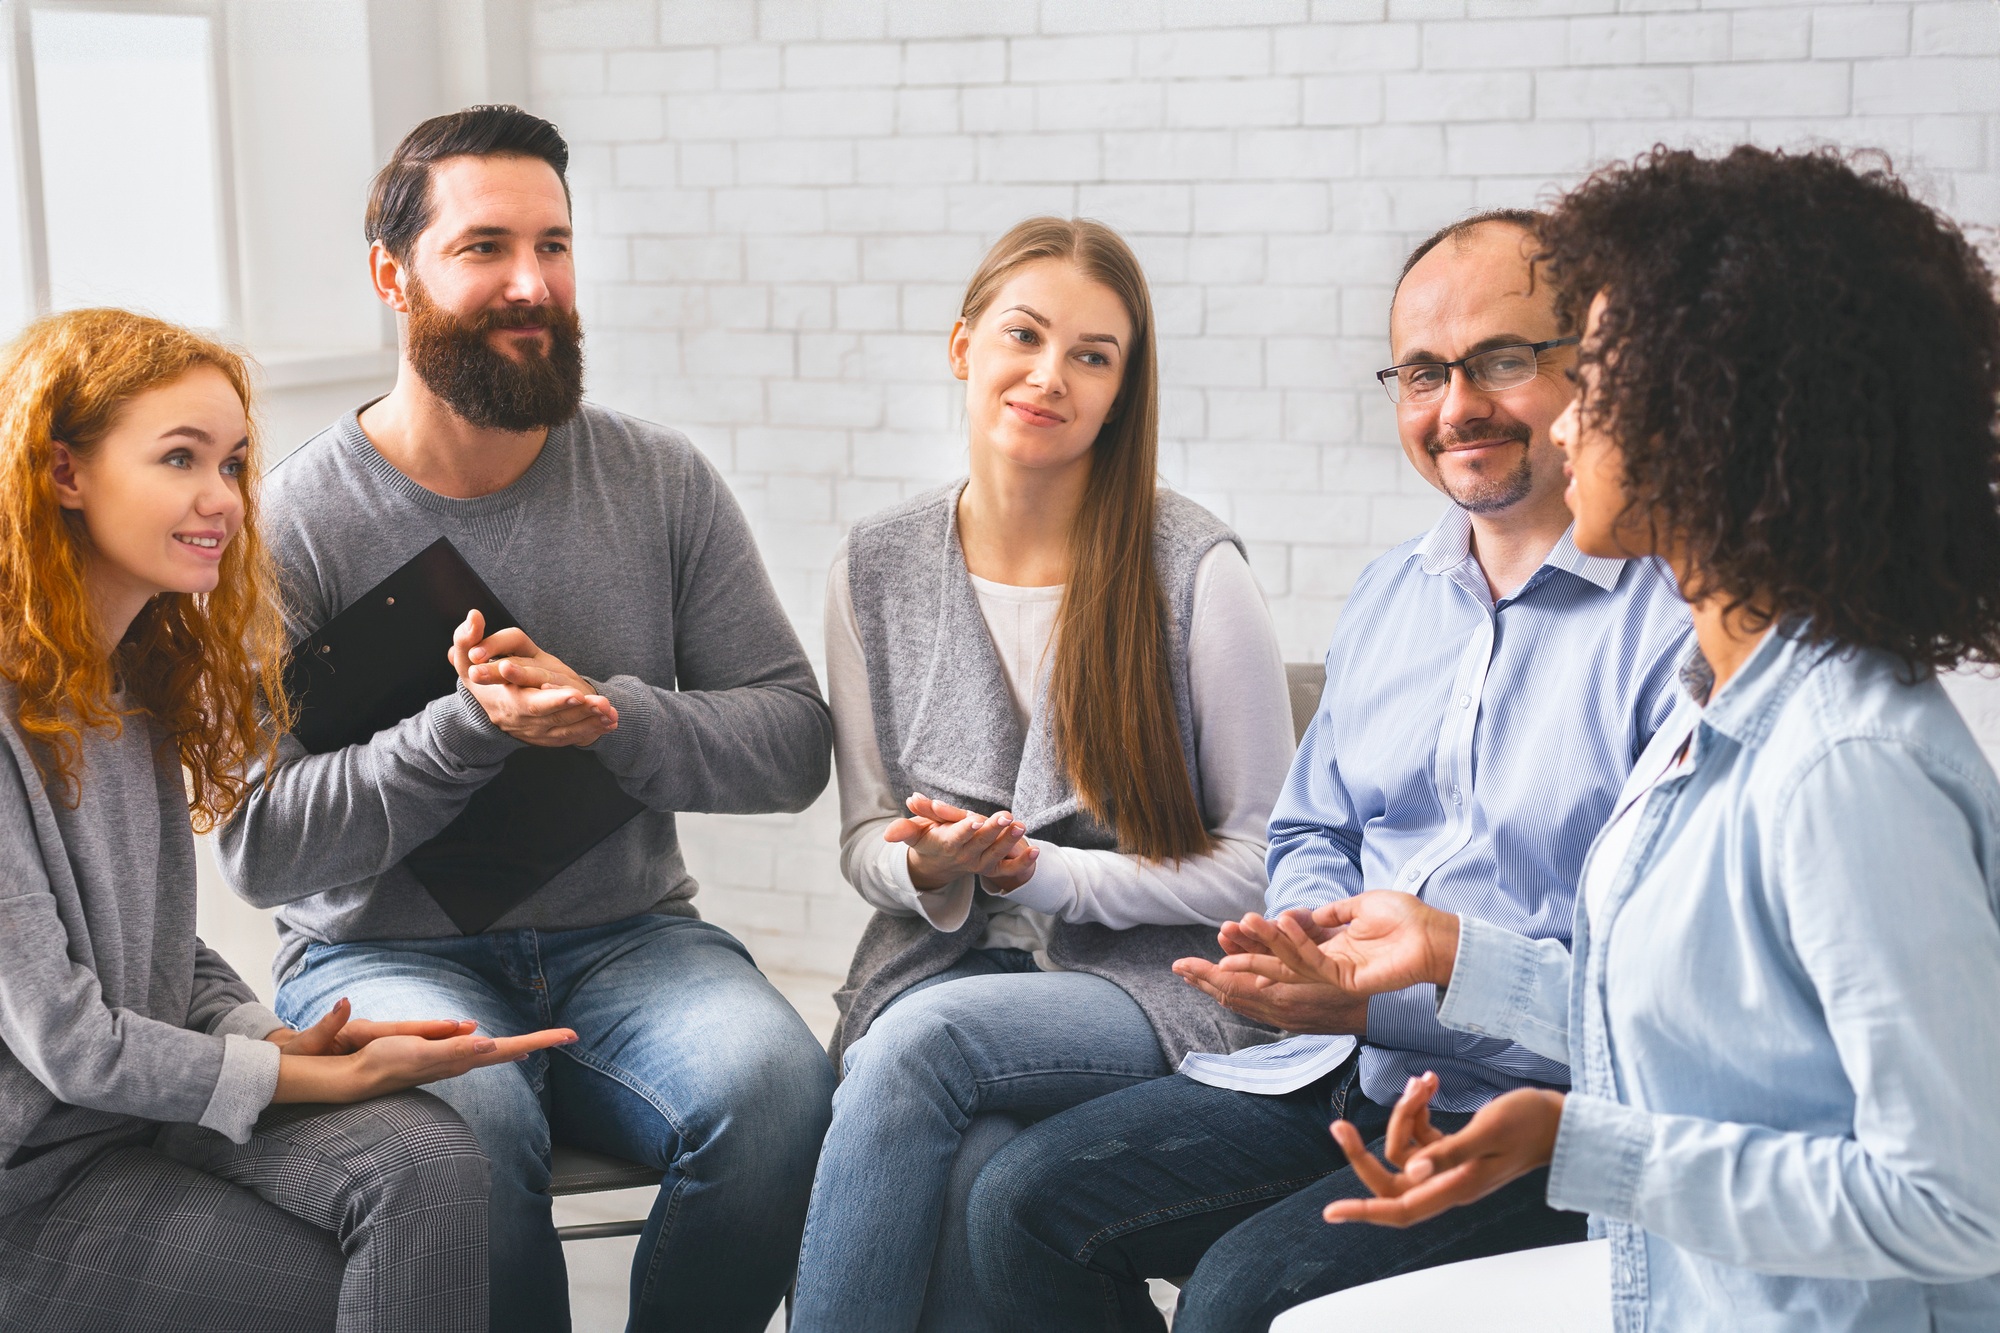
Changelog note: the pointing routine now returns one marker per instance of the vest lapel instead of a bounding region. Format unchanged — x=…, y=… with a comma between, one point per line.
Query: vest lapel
x=964, y=739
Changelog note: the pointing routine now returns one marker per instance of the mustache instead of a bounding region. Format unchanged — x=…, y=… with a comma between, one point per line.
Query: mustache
x=520, y=317
x=1438, y=442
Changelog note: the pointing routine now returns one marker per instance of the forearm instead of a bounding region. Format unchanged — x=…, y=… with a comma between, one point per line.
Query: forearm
x=1509, y=986
x=1796, y=1204
x=325, y=820
x=1121, y=891
x=751, y=749
x=880, y=873
x=221, y=1001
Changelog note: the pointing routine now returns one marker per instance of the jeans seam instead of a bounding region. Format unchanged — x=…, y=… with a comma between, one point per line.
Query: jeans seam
x=1190, y=1207
x=631, y=1084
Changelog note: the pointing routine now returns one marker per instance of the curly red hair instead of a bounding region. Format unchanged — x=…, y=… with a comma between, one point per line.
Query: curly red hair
x=207, y=666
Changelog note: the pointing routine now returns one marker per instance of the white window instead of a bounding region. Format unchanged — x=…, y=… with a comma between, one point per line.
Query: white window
x=131, y=144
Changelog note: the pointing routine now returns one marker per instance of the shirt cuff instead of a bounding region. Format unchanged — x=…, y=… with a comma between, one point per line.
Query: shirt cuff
x=945, y=908
x=1406, y=1020
x=1491, y=976
x=248, y=1081
x=1050, y=890
x=628, y=750
x=1600, y=1157
x=247, y=1020
x=460, y=729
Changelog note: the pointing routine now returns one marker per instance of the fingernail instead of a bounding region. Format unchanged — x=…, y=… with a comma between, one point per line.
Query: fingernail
x=483, y=1045
x=1410, y=1088
x=1420, y=1169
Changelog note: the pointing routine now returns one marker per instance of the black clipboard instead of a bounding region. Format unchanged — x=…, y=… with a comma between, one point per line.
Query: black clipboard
x=381, y=660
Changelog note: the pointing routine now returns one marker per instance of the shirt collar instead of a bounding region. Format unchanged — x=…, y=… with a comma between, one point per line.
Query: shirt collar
x=1448, y=543
x=1749, y=704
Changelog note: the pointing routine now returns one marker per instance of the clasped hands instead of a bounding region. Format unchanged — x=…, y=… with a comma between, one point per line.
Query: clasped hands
x=529, y=694
x=345, y=1059
x=946, y=843
x=1314, y=972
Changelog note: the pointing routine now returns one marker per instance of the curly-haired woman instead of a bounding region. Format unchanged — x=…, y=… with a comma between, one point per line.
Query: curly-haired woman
x=1787, y=1087
x=146, y=1178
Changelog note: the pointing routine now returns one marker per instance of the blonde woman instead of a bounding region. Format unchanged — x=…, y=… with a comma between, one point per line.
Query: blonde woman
x=1060, y=723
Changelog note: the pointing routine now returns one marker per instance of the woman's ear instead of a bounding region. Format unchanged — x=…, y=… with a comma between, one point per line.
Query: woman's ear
x=957, y=348
x=62, y=469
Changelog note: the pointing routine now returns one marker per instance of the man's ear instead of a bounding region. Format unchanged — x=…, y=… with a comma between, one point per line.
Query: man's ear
x=62, y=469
x=390, y=278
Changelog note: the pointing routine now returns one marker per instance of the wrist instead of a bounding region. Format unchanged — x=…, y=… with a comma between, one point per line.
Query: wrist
x=921, y=879
x=1443, y=930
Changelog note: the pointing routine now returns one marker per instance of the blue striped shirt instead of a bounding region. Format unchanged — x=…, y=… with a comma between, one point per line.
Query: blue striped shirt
x=1468, y=752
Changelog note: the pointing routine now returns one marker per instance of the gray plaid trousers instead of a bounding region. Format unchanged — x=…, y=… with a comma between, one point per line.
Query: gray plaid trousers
x=365, y=1219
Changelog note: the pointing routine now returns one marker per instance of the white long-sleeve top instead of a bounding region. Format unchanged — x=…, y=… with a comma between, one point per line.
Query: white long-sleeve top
x=1243, y=743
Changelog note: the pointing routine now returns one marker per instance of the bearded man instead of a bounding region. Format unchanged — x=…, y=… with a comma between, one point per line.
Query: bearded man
x=657, y=643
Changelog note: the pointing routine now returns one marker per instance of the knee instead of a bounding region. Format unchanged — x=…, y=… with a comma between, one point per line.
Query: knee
x=424, y=1150
x=1011, y=1195
x=909, y=1045
x=787, y=1094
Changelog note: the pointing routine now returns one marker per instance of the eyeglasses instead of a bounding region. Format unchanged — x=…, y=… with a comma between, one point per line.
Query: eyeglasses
x=1494, y=369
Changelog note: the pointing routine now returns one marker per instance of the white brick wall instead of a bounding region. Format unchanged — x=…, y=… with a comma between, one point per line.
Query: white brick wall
x=780, y=201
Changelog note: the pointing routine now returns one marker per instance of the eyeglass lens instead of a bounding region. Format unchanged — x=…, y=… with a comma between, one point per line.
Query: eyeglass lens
x=1500, y=368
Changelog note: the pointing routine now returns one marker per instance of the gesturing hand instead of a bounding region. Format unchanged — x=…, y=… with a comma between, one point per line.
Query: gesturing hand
x=529, y=694
x=1281, y=997
x=1509, y=1137
x=1370, y=944
x=946, y=843
x=336, y=1034
x=338, y=1060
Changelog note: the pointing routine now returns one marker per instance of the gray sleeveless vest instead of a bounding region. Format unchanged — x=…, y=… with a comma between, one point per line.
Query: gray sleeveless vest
x=946, y=726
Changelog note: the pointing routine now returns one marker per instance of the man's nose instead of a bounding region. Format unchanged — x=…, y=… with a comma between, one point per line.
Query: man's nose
x=1463, y=400
x=525, y=284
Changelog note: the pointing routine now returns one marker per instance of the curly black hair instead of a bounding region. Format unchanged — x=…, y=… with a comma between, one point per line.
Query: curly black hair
x=1801, y=364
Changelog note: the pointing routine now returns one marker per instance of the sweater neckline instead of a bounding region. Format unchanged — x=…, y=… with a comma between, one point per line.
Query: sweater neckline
x=356, y=441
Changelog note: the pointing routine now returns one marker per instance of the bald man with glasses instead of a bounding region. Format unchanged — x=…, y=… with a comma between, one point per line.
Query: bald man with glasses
x=1488, y=689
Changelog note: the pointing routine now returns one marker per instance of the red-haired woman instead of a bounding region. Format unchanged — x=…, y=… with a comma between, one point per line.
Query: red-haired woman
x=147, y=1180
x=1076, y=676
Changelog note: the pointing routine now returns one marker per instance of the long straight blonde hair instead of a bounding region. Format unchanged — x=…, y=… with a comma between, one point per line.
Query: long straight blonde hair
x=1111, y=699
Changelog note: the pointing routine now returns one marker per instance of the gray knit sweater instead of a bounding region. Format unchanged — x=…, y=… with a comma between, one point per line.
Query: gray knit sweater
x=620, y=551
x=115, y=1016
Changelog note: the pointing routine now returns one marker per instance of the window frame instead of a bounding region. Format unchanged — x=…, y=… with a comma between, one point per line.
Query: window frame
x=20, y=54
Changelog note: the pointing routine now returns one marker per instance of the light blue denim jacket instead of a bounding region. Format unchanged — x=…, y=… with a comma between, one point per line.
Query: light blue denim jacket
x=1782, y=1032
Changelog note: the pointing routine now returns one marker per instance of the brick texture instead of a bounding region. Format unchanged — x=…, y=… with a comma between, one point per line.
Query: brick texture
x=779, y=201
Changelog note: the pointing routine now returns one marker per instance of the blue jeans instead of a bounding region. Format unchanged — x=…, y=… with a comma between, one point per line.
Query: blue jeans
x=1175, y=1177
x=955, y=1067
x=686, y=1059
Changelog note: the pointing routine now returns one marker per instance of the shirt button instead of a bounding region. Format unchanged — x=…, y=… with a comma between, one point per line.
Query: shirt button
x=1454, y=796
x=1412, y=876
x=1465, y=701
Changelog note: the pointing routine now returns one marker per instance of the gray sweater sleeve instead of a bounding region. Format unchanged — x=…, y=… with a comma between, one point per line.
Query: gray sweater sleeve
x=746, y=730
x=55, y=1021
x=324, y=820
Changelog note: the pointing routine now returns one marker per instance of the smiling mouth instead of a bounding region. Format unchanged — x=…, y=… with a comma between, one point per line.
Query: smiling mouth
x=1035, y=415
x=199, y=543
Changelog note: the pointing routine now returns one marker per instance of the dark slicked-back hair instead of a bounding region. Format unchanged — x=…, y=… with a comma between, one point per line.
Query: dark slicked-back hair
x=1527, y=219
x=399, y=202
x=1801, y=365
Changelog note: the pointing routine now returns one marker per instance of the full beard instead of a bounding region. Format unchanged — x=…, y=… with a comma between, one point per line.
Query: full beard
x=487, y=388
x=1486, y=494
